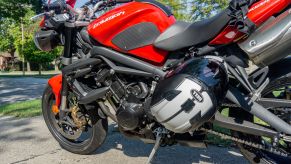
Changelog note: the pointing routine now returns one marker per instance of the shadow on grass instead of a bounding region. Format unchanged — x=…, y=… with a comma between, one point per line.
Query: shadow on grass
x=35, y=76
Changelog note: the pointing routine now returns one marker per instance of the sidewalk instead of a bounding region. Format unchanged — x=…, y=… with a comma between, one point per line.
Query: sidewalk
x=28, y=141
x=20, y=89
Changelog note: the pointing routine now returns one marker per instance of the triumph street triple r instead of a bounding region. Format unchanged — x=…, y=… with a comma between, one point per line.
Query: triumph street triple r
x=166, y=82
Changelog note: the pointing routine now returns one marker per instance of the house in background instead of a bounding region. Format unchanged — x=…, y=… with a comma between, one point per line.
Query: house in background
x=6, y=60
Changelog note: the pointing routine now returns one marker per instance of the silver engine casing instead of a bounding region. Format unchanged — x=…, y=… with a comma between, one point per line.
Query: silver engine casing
x=271, y=42
x=191, y=96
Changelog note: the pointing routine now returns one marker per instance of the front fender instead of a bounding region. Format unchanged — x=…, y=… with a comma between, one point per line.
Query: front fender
x=56, y=84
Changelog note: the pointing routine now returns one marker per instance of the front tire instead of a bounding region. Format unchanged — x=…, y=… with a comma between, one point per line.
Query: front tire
x=98, y=129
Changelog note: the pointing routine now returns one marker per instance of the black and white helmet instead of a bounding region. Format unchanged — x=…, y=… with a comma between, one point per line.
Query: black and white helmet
x=191, y=95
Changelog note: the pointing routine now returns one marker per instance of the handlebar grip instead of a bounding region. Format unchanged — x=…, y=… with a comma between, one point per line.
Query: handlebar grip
x=58, y=6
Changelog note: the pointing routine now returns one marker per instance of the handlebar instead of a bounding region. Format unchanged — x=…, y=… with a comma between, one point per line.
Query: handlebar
x=60, y=5
x=123, y=1
x=37, y=16
x=57, y=6
x=98, y=5
x=94, y=2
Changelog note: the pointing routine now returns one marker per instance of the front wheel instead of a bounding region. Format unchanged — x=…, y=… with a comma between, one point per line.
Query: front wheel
x=81, y=132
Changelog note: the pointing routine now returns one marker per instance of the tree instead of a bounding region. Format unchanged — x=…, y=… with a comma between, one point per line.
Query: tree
x=30, y=51
x=192, y=10
x=6, y=38
x=17, y=8
x=178, y=7
x=11, y=13
x=34, y=55
x=201, y=9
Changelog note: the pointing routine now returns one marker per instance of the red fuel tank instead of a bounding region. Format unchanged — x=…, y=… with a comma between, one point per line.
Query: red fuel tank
x=132, y=29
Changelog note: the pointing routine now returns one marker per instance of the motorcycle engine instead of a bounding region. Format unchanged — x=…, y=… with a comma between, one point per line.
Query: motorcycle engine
x=191, y=95
x=131, y=112
x=129, y=115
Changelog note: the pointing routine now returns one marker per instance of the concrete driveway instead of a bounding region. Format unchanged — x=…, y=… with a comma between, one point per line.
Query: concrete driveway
x=20, y=89
x=27, y=141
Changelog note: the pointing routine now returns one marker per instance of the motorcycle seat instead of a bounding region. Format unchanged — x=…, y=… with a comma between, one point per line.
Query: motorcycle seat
x=183, y=34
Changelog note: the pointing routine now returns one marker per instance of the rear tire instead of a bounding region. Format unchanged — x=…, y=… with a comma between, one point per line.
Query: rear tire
x=253, y=155
x=98, y=129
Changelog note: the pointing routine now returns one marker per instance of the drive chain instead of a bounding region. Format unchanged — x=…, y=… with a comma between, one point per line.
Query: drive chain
x=245, y=142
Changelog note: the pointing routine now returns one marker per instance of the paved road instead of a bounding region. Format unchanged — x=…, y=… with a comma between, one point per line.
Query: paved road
x=20, y=89
x=27, y=141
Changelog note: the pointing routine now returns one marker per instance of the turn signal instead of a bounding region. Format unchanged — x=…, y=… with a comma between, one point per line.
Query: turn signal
x=55, y=109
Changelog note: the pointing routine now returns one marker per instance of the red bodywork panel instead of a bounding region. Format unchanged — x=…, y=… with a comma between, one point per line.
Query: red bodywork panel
x=106, y=27
x=56, y=84
x=260, y=12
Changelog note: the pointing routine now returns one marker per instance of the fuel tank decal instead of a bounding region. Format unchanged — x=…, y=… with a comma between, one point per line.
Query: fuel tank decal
x=260, y=5
x=108, y=19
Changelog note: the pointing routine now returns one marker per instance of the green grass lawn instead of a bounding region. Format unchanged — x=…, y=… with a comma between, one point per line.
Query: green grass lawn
x=17, y=74
x=22, y=109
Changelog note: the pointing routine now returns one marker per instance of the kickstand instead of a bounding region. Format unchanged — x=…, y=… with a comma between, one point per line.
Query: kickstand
x=160, y=134
x=154, y=150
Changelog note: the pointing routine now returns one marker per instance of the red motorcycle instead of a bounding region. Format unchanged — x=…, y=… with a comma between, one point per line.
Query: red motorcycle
x=165, y=81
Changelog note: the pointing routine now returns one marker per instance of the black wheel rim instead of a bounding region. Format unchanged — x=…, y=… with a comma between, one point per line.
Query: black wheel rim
x=85, y=137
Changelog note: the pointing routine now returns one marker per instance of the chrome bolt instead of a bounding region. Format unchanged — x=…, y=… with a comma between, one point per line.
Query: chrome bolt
x=253, y=43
